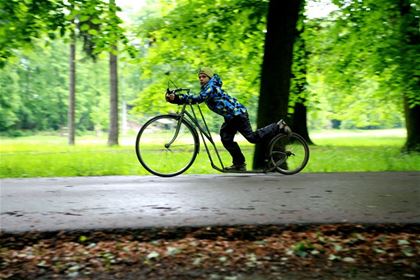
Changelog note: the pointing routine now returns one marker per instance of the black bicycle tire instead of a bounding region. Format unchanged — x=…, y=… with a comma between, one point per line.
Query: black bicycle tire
x=195, y=152
x=306, y=157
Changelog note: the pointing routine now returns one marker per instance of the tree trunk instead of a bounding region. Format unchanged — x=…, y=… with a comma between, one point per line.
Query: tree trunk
x=72, y=91
x=276, y=68
x=299, y=121
x=113, y=78
x=113, y=112
x=412, y=123
x=410, y=40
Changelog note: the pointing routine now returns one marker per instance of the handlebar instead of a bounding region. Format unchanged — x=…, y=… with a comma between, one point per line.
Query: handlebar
x=177, y=89
x=181, y=89
x=169, y=91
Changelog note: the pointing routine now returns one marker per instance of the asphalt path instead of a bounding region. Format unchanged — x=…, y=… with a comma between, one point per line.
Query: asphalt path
x=129, y=202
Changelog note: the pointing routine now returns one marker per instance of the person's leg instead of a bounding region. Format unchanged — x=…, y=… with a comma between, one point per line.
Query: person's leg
x=227, y=134
x=262, y=134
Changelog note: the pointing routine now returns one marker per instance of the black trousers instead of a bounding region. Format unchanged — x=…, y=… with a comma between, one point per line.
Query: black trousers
x=242, y=125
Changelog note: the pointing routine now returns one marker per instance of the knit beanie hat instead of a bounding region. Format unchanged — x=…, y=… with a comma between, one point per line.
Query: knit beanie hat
x=207, y=71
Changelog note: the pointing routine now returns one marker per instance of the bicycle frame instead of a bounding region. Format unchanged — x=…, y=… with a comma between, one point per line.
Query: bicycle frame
x=200, y=129
x=204, y=132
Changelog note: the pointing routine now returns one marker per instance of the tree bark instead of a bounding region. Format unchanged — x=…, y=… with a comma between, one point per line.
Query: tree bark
x=113, y=78
x=412, y=123
x=276, y=68
x=410, y=40
x=113, y=112
x=72, y=91
x=300, y=122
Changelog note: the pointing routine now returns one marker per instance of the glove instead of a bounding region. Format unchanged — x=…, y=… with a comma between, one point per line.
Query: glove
x=173, y=98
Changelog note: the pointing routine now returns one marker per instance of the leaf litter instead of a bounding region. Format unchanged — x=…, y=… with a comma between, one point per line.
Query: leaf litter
x=326, y=251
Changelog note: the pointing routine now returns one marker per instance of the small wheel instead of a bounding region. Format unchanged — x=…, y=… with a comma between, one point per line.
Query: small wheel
x=288, y=153
x=164, y=150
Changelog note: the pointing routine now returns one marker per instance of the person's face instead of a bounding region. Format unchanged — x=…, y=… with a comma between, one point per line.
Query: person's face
x=204, y=79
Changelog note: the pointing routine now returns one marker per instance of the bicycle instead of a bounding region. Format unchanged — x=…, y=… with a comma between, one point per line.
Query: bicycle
x=167, y=145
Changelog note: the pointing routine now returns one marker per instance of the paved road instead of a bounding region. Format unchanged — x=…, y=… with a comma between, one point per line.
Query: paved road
x=81, y=203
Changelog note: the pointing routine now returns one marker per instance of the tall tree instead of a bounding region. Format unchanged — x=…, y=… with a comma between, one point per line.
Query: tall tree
x=299, y=85
x=113, y=100
x=86, y=15
x=410, y=48
x=385, y=64
x=276, y=68
x=72, y=90
x=113, y=78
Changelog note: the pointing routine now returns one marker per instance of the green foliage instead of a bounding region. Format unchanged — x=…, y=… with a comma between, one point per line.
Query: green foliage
x=34, y=91
x=36, y=96
x=8, y=103
x=359, y=71
x=299, y=83
x=24, y=21
x=178, y=39
x=351, y=77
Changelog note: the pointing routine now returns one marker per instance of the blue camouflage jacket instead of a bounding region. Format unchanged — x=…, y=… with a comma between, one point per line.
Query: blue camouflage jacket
x=216, y=99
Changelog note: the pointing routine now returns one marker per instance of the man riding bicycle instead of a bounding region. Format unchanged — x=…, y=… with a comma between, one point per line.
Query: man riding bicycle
x=235, y=115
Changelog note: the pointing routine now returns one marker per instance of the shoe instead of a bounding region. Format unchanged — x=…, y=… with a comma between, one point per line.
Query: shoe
x=283, y=127
x=236, y=167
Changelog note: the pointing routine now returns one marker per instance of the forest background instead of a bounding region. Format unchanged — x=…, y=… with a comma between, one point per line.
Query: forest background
x=353, y=68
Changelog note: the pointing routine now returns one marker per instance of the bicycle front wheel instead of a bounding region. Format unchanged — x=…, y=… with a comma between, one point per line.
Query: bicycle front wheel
x=166, y=146
x=288, y=153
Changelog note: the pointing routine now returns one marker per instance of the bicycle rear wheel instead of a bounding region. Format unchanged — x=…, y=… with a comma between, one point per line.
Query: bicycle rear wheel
x=288, y=153
x=165, y=150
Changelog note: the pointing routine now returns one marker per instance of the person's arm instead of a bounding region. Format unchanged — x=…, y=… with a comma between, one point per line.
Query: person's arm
x=205, y=93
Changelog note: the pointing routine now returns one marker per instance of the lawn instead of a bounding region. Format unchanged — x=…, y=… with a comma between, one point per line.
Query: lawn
x=335, y=151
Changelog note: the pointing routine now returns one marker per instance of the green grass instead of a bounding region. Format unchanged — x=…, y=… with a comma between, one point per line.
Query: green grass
x=335, y=151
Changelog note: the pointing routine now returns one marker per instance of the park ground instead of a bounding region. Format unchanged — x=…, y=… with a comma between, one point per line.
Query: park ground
x=326, y=251
x=299, y=251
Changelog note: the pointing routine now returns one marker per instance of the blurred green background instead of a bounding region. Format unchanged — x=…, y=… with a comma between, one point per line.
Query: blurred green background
x=355, y=70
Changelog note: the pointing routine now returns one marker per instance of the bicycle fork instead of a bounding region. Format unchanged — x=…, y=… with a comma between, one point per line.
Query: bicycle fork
x=178, y=126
